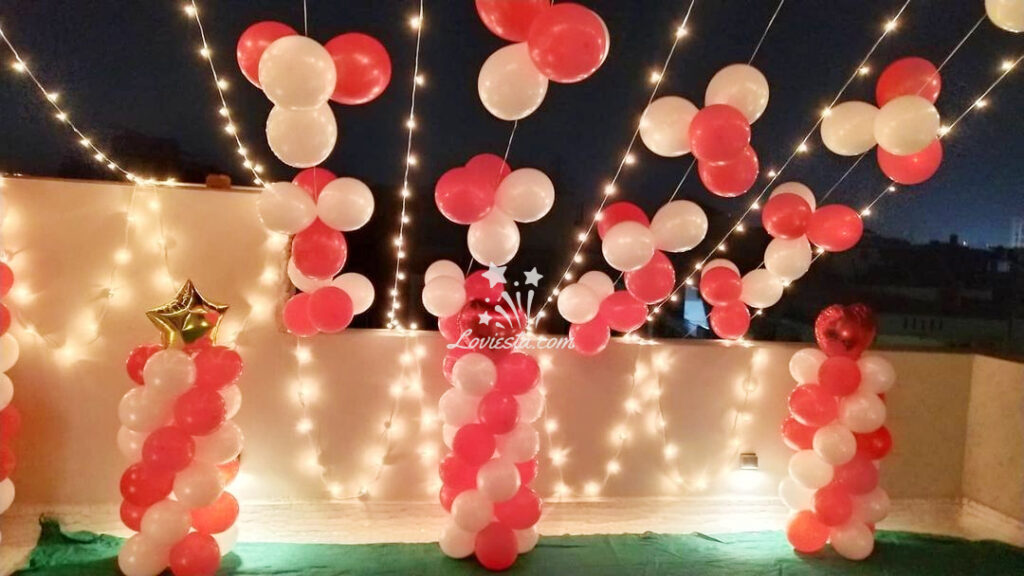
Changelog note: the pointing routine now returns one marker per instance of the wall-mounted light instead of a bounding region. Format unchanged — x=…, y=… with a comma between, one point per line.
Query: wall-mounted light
x=748, y=461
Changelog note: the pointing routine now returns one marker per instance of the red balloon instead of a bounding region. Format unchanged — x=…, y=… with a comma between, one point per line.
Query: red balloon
x=499, y=333
x=199, y=411
x=510, y=20
x=474, y=443
x=914, y=168
x=796, y=435
x=457, y=473
x=622, y=311
x=496, y=547
x=839, y=375
x=858, y=476
x=330, y=309
x=363, y=65
x=835, y=228
x=6, y=279
x=812, y=405
x=137, y=361
x=296, y=315
x=217, y=367
x=449, y=327
x=568, y=42
x=216, y=517
x=832, y=505
x=730, y=178
x=730, y=321
x=806, y=533
x=845, y=330
x=498, y=412
x=490, y=169
x=195, y=555
x=447, y=495
x=229, y=471
x=527, y=471
x=313, y=180
x=590, y=339
x=253, y=42
x=720, y=285
x=874, y=445
x=168, y=449
x=8, y=462
x=131, y=515
x=521, y=511
x=786, y=216
x=319, y=252
x=5, y=319
x=479, y=288
x=652, y=282
x=10, y=423
x=462, y=197
x=144, y=486
x=906, y=77
x=518, y=373
x=618, y=213
x=719, y=133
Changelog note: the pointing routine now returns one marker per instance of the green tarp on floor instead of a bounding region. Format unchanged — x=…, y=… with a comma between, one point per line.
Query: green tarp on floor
x=761, y=553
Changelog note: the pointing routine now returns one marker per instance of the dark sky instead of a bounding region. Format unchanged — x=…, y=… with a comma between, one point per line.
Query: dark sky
x=135, y=65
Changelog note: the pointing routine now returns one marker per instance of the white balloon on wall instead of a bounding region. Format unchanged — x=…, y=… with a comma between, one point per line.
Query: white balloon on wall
x=804, y=365
x=296, y=72
x=599, y=282
x=303, y=282
x=578, y=303
x=143, y=556
x=871, y=507
x=526, y=195
x=665, y=126
x=849, y=128
x=168, y=374
x=741, y=86
x=510, y=86
x=877, y=375
x=679, y=226
x=345, y=204
x=198, y=485
x=472, y=511
x=457, y=408
x=9, y=352
x=444, y=296
x=628, y=246
x=853, y=540
x=807, y=468
x=456, y=542
x=835, y=444
x=359, y=289
x=498, y=479
x=788, y=259
x=6, y=494
x=141, y=412
x=519, y=445
x=443, y=268
x=493, y=239
x=795, y=496
x=286, y=208
x=474, y=374
x=166, y=522
x=1006, y=14
x=302, y=138
x=906, y=125
x=712, y=264
x=862, y=412
x=797, y=188
x=761, y=288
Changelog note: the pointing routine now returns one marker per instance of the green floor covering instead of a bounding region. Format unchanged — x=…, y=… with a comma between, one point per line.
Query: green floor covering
x=762, y=553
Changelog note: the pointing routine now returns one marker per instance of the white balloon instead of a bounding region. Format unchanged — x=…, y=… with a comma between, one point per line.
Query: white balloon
x=359, y=289
x=297, y=72
x=6, y=494
x=853, y=540
x=628, y=246
x=458, y=408
x=876, y=374
x=221, y=445
x=599, y=282
x=795, y=496
x=345, y=204
x=6, y=391
x=444, y=296
x=1006, y=14
x=719, y=262
x=129, y=442
x=807, y=468
x=578, y=303
x=526, y=195
x=443, y=268
x=303, y=282
x=456, y=542
x=142, y=556
x=872, y=507
x=519, y=445
x=198, y=485
x=797, y=188
x=166, y=522
x=788, y=259
x=862, y=412
x=526, y=540
x=494, y=239
x=302, y=138
x=835, y=444
x=169, y=373
x=474, y=374
x=9, y=352
x=531, y=405
x=849, y=128
x=510, y=86
x=448, y=434
x=761, y=289
x=227, y=539
x=498, y=480
x=804, y=365
x=232, y=396
x=142, y=412
x=679, y=226
x=286, y=208
x=906, y=125
x=472, y=511
x=741, y=86
x=665, y=126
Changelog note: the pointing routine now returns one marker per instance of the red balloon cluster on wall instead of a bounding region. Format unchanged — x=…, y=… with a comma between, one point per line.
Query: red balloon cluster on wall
x=10, y=418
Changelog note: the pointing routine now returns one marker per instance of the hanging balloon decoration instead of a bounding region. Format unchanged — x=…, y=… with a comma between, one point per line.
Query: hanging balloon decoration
x=562, y=42
x=836, y=426
x=176, y=427
x=1006, y=14
x=718, y=135
x=10, y=418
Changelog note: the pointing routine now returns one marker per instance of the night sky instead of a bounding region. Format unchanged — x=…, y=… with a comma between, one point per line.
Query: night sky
x=135, y=66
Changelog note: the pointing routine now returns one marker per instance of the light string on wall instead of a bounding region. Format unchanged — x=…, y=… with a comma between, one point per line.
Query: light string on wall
x=10, y=418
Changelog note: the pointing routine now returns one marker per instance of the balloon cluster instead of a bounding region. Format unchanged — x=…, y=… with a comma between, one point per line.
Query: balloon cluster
x=905, y=126
x=317, y=207
x=563, y=42
x=300, y=76
x=836, y=425
x=718, y=135
x=490, y=197
x=10, y=418
x=176, y=426
x=1006, y=14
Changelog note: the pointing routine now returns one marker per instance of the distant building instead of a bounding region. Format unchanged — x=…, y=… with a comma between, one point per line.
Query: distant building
x=1017, y=233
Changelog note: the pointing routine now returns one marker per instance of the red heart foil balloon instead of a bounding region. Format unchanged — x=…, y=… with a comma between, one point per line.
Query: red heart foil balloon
x=845, y=330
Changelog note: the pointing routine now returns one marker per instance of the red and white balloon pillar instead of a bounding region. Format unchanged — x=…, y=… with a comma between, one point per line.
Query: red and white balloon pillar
x=836, y=425
x=10, y=419
x=176, y=427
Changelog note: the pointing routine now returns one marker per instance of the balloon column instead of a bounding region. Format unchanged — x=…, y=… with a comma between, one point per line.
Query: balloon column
x=563, y=42
x=487, y=418
x=490, y=197
x=300, y=76
x=317, y=207
x=718, y=135
x=836, y=425
x=176, y=427
x=10, y=418
x=905, y=126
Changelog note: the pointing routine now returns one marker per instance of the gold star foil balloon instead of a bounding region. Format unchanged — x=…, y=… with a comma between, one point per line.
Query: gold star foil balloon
x=188, y=317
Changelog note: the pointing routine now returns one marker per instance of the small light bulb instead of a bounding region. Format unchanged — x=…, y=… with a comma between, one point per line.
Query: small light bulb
x=890, y=25
x=190, y=10
x=681, y=31
x=222, y=84
x=802, y=147
x=52, y=96
x=655, y=77
x=204, y=52
x=415, y=22
x=18, y=66
x=420, y=80
x=864, y=71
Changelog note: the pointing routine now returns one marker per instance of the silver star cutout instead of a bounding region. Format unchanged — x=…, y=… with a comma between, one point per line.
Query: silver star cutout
x=495, y=275
x=532, y=277
x=485, y=318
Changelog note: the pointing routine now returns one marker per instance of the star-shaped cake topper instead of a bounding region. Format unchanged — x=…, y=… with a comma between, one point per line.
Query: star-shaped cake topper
x=188, y=317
